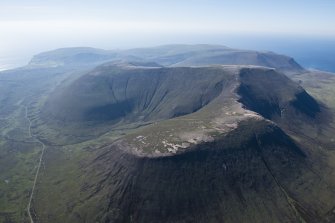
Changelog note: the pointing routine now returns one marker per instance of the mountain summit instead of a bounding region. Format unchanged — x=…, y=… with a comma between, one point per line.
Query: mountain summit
x=216, y=140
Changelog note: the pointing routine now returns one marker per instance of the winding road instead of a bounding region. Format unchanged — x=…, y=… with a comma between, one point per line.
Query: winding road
x=38, y=167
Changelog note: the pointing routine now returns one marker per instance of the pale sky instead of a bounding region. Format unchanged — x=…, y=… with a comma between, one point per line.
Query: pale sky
x=28, y=27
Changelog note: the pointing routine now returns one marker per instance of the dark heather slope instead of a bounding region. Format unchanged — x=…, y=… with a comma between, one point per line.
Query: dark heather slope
x=272, y=94
x=238, y=178
x=278, y=98
x=212, y=155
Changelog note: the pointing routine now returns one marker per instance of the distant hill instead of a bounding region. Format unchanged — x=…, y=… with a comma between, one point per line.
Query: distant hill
x=169, y=55
x=71, y=56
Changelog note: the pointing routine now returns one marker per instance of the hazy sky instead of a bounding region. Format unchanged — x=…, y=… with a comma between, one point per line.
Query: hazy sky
x=28, y=27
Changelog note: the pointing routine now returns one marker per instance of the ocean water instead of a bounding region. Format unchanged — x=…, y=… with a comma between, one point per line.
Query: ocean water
x=10, y=62
x=4, y=64
x=311, y=53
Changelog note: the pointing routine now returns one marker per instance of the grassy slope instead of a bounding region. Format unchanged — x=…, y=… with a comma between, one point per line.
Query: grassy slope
x=322, y=86
x=18, y=157
x=19, y=152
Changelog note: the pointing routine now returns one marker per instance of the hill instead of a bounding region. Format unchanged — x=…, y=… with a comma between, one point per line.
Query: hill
x=168, y=55
x=167, y=134
x=218, y=142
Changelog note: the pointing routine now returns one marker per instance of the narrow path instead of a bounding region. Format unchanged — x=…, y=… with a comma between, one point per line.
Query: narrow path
x=38, y=167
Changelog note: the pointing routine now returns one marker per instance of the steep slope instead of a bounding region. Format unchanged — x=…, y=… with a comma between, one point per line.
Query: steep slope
x=113, y=95
x=278, y=98
x=116, y=94
x=218, y=158
x=270, y=94
x=214, y=182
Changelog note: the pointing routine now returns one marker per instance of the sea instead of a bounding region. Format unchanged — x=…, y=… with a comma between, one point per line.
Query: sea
x=11, y=62
x=311, y=53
